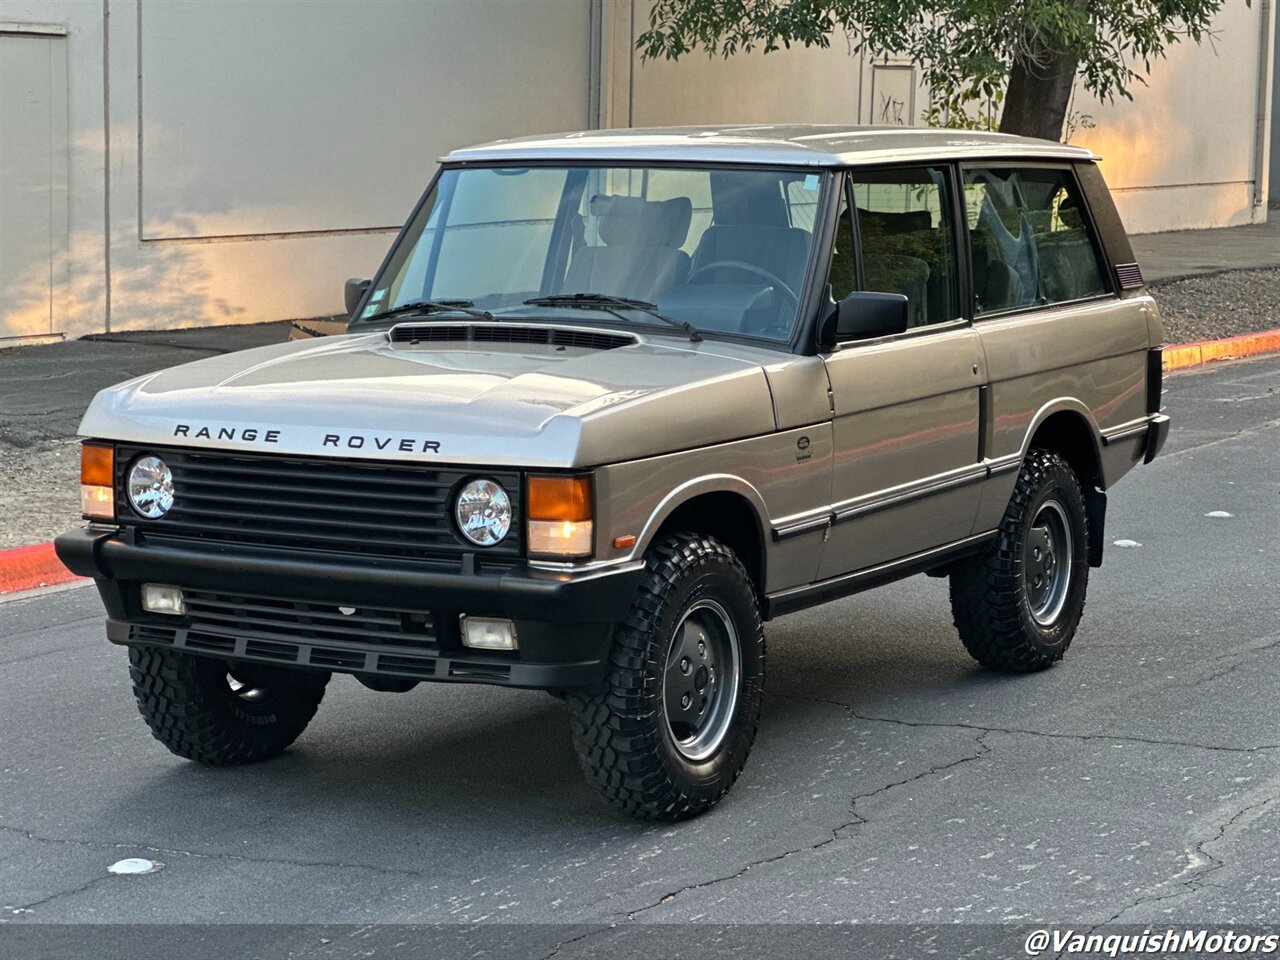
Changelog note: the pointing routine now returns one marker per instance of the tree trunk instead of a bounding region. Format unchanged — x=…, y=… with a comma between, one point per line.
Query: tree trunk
x=1035, y=104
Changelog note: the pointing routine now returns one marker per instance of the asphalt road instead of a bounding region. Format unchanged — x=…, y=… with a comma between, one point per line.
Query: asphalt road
x=893, y=781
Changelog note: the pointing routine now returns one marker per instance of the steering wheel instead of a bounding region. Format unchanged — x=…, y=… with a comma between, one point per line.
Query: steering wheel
x=744, y=267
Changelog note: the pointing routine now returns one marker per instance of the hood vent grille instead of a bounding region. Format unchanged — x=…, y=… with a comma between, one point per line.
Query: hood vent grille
x=505, y=333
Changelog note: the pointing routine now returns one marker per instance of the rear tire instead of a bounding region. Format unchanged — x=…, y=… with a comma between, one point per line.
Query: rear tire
x=221, y=714
x=668, y=733
x=1018, y=607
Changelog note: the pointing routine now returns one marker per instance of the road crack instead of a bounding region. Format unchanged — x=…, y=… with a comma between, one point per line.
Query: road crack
x=19, y=909
x=1018, y=731
x=203, y=855
x=1202, y=864
x=839, y=833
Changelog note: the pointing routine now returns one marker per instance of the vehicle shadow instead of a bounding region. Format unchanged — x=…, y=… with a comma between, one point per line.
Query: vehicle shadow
x=460, y=765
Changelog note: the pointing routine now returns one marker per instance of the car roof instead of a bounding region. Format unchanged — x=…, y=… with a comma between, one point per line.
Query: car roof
x=811, y=145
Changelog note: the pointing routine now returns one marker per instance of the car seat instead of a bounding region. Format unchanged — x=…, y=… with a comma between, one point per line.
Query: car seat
x=640, y=255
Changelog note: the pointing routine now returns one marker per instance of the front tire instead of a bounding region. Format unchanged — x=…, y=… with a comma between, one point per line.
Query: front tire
x=1017, y=608
x=222, y=714
x=668, y=733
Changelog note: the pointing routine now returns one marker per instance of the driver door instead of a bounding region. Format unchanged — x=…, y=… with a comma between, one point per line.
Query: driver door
x=907, y=466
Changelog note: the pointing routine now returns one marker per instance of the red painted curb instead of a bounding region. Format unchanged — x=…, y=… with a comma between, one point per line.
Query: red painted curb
x=1184, y=355
x=29, y=567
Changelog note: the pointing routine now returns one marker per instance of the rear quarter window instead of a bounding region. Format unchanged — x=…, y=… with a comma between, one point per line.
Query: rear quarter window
x=1031, y=239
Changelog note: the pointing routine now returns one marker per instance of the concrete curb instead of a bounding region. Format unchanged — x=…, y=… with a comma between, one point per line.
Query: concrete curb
x=1247, y=345
x=27, y=568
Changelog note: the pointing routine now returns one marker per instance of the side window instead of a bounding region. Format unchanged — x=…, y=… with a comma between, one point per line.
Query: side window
x=907, y=238
x=1032, y=244
x=802, y=200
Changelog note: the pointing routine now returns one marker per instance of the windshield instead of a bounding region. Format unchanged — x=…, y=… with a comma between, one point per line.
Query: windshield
x=721, y=250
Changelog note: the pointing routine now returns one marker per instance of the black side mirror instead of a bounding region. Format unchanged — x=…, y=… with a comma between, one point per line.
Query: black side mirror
x=354, y=292
x=864, y=314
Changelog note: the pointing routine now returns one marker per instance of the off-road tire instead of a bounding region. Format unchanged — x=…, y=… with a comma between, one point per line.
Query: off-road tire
x=624, y=742
x=989, y=596
x=191, y=708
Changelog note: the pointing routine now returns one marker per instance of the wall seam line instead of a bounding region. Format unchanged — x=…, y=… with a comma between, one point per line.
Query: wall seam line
x=106, y=162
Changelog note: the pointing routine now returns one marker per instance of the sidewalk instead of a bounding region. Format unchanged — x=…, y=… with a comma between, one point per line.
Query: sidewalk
x=1193, y=253
x=44, y=389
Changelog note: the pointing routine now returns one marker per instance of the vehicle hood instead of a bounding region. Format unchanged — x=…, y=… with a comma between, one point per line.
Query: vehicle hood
x=360, y=395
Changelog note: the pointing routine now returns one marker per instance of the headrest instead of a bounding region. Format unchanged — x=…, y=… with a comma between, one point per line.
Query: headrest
x=894, y=223
x=743, y=198
x=633, y=222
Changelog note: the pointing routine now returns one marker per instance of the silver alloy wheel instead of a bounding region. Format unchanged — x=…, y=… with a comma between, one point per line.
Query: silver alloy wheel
x=1046, y=563
x=701, y=679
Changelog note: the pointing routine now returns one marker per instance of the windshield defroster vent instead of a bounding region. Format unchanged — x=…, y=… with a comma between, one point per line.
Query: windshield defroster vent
x=504, y=333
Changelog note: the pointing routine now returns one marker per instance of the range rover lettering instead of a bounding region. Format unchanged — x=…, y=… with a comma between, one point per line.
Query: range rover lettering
x=615, y=399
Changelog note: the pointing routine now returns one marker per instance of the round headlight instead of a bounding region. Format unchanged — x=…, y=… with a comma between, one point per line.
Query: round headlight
x=150, y=487
x=483, y=512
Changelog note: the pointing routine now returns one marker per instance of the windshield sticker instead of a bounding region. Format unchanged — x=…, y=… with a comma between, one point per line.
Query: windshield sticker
x=811, y=182
x=369, y=311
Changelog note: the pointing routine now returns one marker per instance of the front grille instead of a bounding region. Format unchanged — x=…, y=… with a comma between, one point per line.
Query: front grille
x=274, y=620
x=507, y=333
x=375, y=640
x=316, y=504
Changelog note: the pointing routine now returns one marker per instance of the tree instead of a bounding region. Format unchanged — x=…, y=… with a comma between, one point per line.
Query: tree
x=1024, y=53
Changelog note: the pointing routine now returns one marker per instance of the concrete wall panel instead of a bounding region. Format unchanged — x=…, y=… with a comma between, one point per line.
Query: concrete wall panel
x=265, y=164
x=291, y=116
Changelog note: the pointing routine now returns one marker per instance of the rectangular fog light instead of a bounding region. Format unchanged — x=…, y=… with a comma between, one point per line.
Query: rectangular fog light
x=484, y=633
x=160, y=598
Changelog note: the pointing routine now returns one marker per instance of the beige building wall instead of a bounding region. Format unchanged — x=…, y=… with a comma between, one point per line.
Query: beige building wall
x=224, y=161
x=1190, y=150
x=234, y=161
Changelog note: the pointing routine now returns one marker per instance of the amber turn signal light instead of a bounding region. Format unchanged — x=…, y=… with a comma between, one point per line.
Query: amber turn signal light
x=560, y=498
x=97, y=464
x=97, y=481
x=559, y=511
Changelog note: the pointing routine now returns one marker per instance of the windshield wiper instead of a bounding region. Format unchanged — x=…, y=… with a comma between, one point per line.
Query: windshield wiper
x=611, y=304
x=432, y=306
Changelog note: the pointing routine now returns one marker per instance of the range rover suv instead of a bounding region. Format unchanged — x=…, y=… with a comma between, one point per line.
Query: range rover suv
x=613, y=400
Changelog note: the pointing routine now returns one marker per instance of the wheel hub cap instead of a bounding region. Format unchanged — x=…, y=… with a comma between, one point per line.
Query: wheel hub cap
x=1046, y=563
x=700, y=683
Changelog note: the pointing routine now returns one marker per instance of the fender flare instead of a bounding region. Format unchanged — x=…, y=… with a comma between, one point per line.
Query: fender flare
x=696, y=487
x=1067, y=405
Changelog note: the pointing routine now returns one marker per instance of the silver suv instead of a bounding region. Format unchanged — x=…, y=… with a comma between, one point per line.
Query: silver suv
x=614, y=399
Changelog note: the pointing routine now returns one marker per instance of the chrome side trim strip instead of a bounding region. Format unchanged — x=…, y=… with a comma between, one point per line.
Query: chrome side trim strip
x=895, y=496
x=787, y=530
x=1125, y=431
x=906, y=494
x=1006, y=464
